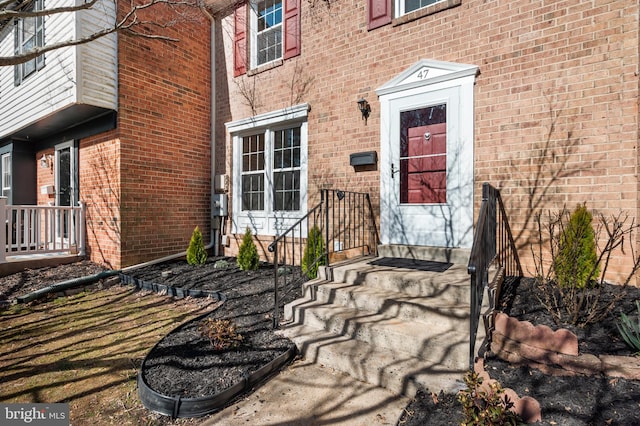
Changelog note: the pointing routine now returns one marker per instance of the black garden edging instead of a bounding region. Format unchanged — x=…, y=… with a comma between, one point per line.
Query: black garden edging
x=170, y=291
x=176, y=406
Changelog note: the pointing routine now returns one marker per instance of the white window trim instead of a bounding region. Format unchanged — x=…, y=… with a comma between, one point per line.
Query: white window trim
x=8, y=173
x=267, y=222
x=400, y=7
x=39, y=35
x=253, y=35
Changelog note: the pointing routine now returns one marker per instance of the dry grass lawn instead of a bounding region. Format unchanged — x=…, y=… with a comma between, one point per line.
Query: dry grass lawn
x=85, y=350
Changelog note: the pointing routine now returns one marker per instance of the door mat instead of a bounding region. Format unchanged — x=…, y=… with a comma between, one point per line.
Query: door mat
x=417, y=264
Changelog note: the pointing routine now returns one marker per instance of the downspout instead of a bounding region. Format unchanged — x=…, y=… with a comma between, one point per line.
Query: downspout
x=215, y=221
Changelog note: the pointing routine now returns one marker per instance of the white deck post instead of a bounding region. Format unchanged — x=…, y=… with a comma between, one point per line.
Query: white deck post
x=82, y=225
x=3, y=230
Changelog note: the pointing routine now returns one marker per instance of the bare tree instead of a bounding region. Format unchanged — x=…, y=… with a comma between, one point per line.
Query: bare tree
x=134, y=21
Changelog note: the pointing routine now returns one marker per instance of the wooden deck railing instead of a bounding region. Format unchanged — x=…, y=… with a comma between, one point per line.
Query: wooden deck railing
x=32, y=230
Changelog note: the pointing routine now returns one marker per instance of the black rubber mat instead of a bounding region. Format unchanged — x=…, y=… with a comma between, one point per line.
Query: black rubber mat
x=420, y=265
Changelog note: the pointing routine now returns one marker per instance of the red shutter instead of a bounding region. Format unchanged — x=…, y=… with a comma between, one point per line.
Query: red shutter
x=291, y=28
x=378, y=13
x=240, y=41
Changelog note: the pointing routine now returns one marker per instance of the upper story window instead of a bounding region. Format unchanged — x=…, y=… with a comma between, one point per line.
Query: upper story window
x=274, y=33
x=267, y=37
x=406, y=6
x=383, y=12
x=29, y=33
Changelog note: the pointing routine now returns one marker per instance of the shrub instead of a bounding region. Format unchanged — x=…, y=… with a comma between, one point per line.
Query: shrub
x=576, y=262
x=486, y=407
x=196, y=253
x=221, y=333
x=248, y=259
x=630, y=329
x=314, y=253
x=571, y=280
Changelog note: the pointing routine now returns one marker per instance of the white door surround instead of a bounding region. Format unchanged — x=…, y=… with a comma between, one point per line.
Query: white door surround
x=408, y=102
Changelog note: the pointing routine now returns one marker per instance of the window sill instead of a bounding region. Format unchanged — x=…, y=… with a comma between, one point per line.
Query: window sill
x=429, y=10
x=265, y=67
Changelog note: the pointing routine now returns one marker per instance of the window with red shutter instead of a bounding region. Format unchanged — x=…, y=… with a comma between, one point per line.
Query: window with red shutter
x=274, y=26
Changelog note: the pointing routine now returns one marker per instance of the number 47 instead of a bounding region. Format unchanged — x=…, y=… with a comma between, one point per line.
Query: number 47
x=422, y=74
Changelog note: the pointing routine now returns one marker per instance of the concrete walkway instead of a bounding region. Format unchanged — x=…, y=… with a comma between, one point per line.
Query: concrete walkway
x=311, y=395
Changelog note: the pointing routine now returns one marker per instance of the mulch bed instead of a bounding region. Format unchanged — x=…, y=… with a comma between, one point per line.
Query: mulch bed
x=577, y=400
x=184, y=363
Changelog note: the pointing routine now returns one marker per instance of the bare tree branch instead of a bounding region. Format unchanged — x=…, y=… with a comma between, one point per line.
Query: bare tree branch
x=19, y=13
x=129, y=23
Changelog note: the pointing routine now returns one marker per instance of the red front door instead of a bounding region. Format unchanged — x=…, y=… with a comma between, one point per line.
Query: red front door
x=423, y=171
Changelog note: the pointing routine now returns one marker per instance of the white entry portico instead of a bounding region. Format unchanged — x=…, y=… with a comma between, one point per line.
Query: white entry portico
x=426, y=156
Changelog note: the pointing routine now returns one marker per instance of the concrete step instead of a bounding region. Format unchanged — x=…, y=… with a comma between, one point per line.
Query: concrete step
x=451, y=285
x=449, y=309
x=394, y=370
x=444, y=341
x=400, y=328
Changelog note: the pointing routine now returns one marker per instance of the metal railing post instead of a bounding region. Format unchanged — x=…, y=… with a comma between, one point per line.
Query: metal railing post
x=491, y=242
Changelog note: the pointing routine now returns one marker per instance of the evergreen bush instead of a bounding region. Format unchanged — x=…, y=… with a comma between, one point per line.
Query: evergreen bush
x=576, y=262
x=248, y=259
x=314, y=253
x=196, y=253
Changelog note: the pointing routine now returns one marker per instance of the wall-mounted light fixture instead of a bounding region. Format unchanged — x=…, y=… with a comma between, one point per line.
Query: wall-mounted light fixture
x=365, y=108
x=46, y=161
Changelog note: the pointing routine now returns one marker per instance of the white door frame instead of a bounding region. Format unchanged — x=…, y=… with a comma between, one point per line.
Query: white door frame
x=450, y=224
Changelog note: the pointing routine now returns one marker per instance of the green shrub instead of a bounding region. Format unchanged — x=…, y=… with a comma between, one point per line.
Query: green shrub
x=314, y=253
x=196, y=253
x=576, y=262
x=486, y=407
x=221, y=333
x=248, y=259
x=630, y=329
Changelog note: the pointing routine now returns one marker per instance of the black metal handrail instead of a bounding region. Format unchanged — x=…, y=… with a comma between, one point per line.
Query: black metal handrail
x=347, y=224
x=493, y=246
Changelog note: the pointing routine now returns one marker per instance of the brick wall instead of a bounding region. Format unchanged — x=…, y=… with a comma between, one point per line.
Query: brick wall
x=556, y=120
x=147, y=183
x=100, y=190
x=164, y=131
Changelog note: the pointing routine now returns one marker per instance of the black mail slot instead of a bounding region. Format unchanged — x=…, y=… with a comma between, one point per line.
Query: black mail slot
x=363, y=158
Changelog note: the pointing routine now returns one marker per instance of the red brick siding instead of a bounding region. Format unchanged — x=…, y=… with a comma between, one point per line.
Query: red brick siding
x=164, y=131
x=556, y=120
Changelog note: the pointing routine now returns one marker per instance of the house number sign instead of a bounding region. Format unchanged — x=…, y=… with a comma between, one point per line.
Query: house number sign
x=422, y=74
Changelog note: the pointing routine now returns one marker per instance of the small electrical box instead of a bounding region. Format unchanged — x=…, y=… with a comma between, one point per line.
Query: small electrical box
x=220, y=183
x=47, y=190
x=363, y=158
x=219, y=205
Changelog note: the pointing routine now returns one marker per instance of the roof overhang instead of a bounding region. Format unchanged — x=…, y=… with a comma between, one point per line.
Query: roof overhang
x=72, y=122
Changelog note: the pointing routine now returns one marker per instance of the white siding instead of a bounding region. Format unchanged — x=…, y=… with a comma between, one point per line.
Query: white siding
x=55, y=86
x=97, y=76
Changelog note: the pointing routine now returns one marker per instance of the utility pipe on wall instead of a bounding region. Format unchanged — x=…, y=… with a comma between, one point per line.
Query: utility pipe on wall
x=215, y=221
